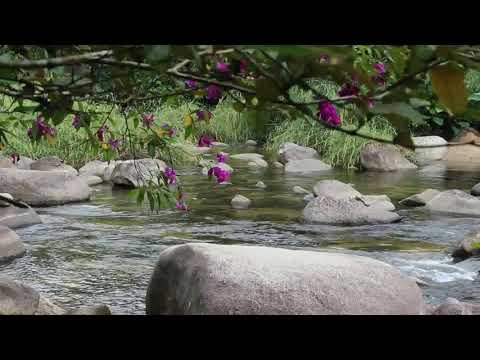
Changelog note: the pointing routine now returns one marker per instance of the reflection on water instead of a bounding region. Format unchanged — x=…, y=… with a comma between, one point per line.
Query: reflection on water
x=104, y=251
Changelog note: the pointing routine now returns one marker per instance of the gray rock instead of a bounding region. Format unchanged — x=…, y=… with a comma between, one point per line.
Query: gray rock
x=6, y=163
x=470, y=246
x=472, y=264
x=136, y=173
x=24, y=163
x=377, y=202
x=93, y=168
x=475, y=190
x=326, y=210
x=434, y=169
x=52, y=163
x=335, y=189
x=44, y=188
x=92, y=180
x=219, y=144
x=379, y=157
x=454, y=307
x=19, y=299
x=306, y=166
x=454, y=202
x=278, y=165
x=260, y=185
x=16, y=217
x=309, y=197
x=258, y=162
x=240, y=202
x=420, y=199
x=251, y=143
x=291, y=151
x=212, y=279
x=299, y=190
x=427, y=155
x=247, y=156
x=5, y=203
x=107, y=174
x=11, y=246
x=91, y=310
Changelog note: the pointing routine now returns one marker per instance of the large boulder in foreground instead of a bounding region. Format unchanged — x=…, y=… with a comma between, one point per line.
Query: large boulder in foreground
x=19, y=299
x=11, y=246
x=44, y=188
x=52, y=163
x=306, y=166
x=454, y=202
x=380, y=157
x=437, y=151
x=291, y=151
x=135, y=173
x=213, y=279
x=352, y=211
x=17, y=217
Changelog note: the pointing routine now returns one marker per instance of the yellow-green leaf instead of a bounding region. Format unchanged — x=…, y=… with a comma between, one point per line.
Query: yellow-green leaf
x=187, y=121
x=448, y=82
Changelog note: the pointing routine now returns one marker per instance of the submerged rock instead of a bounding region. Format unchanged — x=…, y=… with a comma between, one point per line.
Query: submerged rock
x=215, y=279
x=291, y=151
x=44, y=188
x=420, y=199
x=247, y=156
x=17, y=217
x=11, y=246
x=353, y=211
x=470, y=246
x=307, y=166
x=240, y=202
x=90, y=310
x=379, y=157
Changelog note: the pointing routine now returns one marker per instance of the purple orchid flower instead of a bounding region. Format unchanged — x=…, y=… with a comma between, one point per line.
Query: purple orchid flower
x=328, y=113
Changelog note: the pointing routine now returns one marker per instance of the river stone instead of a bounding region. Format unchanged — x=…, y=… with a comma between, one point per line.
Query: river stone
x=380, y=157
x=306, y=166
x=291, y=151
x=475, y=190
x=434, y=169
x=11, y=246
x=258, y=162
x=52, y=163
x=278, y=165
x=420, y=199
x=329, y=211
x=260, y=185
x=452, y=306
x=44, y=188
x=19, y=299
x=216, y=279
x=467, y=135
x=92, y=180
x=299, y=190
x=219, y=144
x=377, y=202
x=16, y=217
x=335, y=189
x=93, y=168
x=455, y=202
x=247, y=156
x=309, y=197
x=24, y=163
x=135, y=173
x=107, y=174
x=251, y=143
x=6, y=162
x=222, y=166
x=5, y=203
x=90, y=310
x=240, y=202
x=427, y=155
x=470, y=246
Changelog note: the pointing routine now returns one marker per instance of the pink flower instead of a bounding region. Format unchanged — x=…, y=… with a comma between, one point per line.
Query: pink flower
x=221, y=157
x=324, y=58
x=219, y=173
x=15, y=158
x=222, y=67
x=242, y=65
x=43, y=128
x=379, y=67
x=148, y=119
x=170, y=175
x=100, y=132
x=114, y=143
x=348, y=90
x=328, y=113
x=76, y=121
x=213, y=93
x=190, y=84
x=204, y=141
x=30, y=133
x=204, y=115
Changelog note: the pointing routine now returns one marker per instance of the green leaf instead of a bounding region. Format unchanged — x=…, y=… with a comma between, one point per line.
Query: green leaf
x=448, y=82
x=438, y=120
x=141, y=195
x=151, y=200
x=420, y=56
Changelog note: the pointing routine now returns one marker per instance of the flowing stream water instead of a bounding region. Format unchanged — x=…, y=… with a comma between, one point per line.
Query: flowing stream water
x=104, y=251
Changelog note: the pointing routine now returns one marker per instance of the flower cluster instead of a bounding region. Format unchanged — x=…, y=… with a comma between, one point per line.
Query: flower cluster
x=100, y=132
x=76, y=121
x=42, y=128
x=213, y=94
x=171, y=176
x=221, y=157
x=114, y=143
x=204, y=141
x=328, y=113
x=204, y=115
x=381, y=71
x=15, y=158
x=221, y=174
x=170, y=131
x=222, y=67
x=349, y=90
x=180, y=205
x=148, y=119
x=190, y=84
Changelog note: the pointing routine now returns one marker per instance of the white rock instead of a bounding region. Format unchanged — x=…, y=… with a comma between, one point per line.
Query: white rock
x=240, y=202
